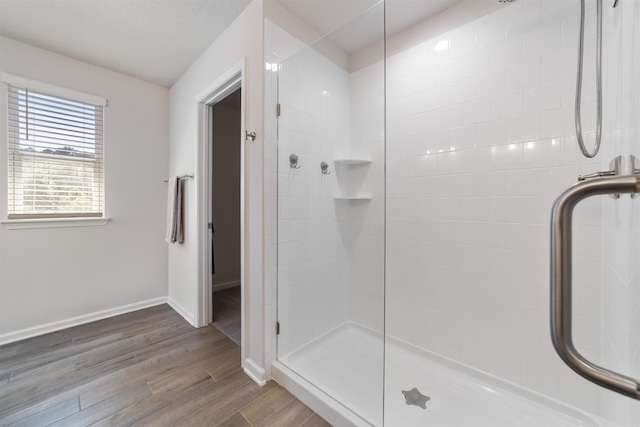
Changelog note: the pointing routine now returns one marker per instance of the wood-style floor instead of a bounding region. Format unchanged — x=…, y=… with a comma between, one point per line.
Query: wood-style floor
x=227, y=310
x=147, y=368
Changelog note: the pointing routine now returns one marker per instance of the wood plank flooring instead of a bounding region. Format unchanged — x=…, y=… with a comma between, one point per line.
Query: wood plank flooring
x=227, y=312
x=146, y=368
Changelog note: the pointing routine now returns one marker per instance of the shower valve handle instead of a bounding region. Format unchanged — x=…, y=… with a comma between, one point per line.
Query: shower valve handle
x=596, y=175
x=615, y=167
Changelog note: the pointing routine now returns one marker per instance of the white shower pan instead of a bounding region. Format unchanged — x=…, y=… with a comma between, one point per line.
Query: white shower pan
x=347, y=364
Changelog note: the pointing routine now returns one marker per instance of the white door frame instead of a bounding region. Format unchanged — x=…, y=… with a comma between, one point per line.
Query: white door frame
x=223, y=86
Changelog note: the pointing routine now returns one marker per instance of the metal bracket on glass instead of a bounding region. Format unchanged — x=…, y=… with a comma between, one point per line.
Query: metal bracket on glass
x=634, y=169
x=561, y=276
x=633, y=165
x=615, y=169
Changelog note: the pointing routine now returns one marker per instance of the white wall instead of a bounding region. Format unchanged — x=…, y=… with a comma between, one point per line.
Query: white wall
x=55, y=277
x=242, y=41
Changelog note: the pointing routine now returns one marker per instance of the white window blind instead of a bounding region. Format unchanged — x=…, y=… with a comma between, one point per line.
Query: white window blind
x=55, y=153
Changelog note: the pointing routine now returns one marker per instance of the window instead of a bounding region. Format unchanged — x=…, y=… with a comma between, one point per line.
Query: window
x=55, y=152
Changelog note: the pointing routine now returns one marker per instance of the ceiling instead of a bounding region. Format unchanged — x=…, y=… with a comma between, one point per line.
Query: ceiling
x=154, y=40
x=329, y=17
x=157, y=40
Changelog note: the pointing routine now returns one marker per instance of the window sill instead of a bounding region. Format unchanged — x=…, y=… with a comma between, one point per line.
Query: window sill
x=22, y=224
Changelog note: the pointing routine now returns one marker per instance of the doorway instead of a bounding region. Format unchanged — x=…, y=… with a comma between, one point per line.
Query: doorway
x=228, y=90
x=226, y=215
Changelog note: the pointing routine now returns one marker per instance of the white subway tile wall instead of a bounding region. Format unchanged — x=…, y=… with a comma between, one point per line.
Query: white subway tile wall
x=366, y=218
x=330, y=250
x=312, y=272
x=476, y=156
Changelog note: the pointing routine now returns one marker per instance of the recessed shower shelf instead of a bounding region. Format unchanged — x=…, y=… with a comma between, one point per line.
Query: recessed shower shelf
x=351, y=177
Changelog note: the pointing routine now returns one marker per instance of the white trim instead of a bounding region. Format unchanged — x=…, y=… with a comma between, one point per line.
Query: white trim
x=203, y=315
x=224, y=85
x=78, y=320
x=254, y=371
x=244, y=251
x=23, y=224
x=225, y=285
x=233, y=79
x=62, y=92
x=329, y=409
x=181, y=311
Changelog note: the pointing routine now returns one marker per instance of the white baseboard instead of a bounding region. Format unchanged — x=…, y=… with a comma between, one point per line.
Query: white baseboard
x=257, y=373
x=182, y=312
x=225, y=285
x=34, y=331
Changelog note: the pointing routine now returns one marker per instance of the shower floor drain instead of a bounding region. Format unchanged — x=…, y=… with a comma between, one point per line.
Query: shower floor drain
x=415, y=398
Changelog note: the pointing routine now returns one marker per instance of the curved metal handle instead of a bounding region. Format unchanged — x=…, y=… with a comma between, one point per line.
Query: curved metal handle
x=561, y=220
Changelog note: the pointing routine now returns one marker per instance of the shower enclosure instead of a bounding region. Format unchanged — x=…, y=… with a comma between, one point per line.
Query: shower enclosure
x=417, y=152
x=331, y=215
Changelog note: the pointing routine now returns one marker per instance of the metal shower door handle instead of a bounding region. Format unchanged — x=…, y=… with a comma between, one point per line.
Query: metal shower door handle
x=561, y=334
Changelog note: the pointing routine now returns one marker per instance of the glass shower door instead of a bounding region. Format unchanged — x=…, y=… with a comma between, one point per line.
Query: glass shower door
x=481, y=140
x=331, y=214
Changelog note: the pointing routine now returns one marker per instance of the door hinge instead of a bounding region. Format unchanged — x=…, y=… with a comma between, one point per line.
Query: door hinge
x=277, y=110
x=277, y=328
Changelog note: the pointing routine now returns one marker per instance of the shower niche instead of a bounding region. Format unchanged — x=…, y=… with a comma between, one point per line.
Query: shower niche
x=351, y=175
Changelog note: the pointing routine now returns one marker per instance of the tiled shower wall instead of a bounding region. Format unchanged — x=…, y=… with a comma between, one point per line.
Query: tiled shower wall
x=313, y=267
x=480, y=141
x=367, y=228
x=330, y=249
